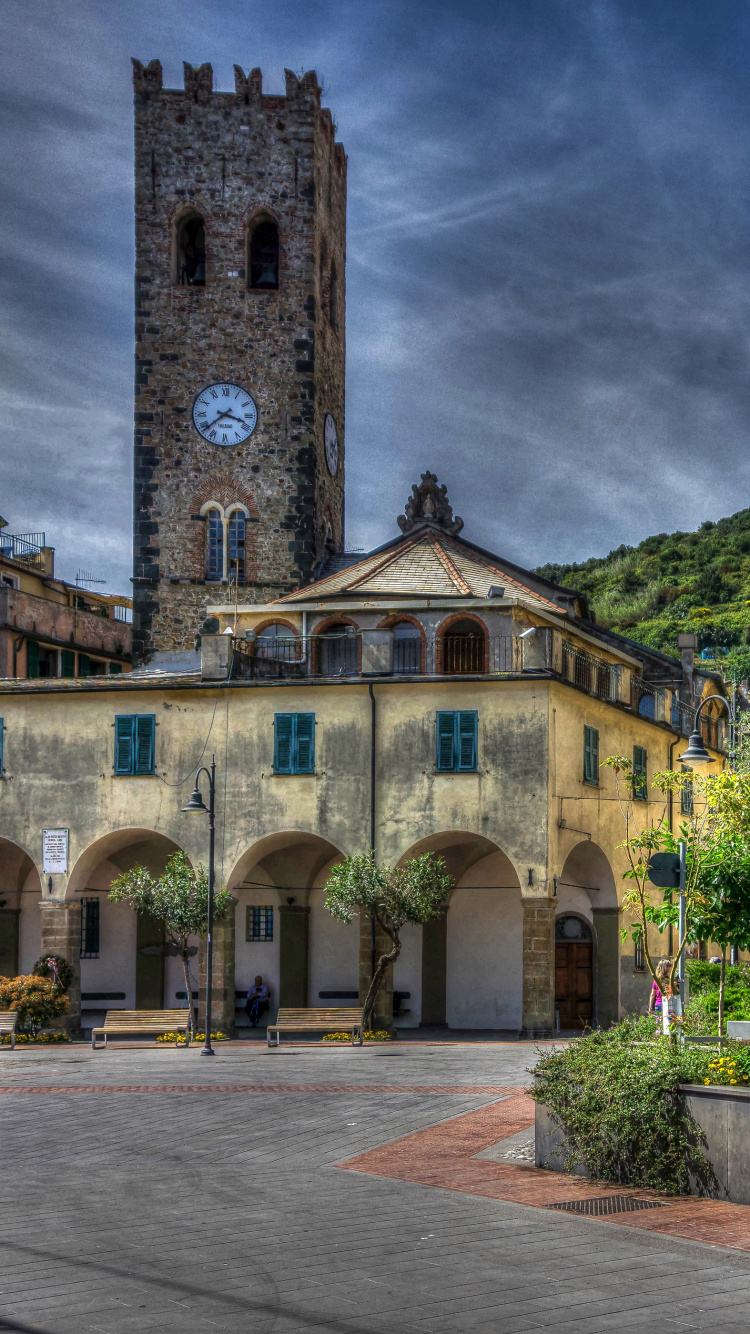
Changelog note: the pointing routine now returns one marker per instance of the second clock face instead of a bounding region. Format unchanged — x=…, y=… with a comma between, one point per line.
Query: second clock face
x=225, y=414
x=331, y=443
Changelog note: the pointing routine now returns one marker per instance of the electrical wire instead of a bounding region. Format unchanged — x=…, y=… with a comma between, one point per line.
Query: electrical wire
x=196, y=766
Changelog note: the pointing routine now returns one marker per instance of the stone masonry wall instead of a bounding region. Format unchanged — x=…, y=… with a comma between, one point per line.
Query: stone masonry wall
x=230, y=156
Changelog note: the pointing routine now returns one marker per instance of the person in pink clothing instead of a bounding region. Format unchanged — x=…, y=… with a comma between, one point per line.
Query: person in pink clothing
x=656, y=999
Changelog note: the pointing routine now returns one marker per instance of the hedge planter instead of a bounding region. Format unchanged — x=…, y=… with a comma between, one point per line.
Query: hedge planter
x=724, y=1117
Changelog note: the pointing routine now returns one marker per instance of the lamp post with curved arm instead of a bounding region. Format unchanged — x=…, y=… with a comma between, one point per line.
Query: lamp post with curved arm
x=696, y=752
x=196, y=803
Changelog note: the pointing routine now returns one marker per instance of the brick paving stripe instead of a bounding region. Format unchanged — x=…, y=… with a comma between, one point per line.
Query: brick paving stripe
x=443, y=1156
x=493, y=1090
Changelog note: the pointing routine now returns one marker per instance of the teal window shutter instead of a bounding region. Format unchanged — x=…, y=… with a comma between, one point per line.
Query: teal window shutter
x=590, y=755
x=114, y=668
x=2, y=735
x=640, y=773
x=445, y=730
x=67, y=662
x=466, y=747
x=283, y=743
x=84, y=664
x=124, y=742
x=305, y=739
x=32, y=658
x=145, y=731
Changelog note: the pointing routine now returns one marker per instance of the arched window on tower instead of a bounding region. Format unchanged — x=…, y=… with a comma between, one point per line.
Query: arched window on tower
x=333, y=299
x=190, y=251
x=263, y=260
x=237, y=528
x=214, y=546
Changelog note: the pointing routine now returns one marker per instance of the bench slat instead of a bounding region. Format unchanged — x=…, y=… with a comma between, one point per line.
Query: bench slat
x=8, y=1020
x=142, y=1021
x=308, y=1020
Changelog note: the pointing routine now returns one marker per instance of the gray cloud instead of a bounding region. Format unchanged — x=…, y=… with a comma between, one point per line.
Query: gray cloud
x=547, y=261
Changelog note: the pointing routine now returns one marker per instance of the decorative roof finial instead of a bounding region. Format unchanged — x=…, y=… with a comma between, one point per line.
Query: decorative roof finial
x=428, y=507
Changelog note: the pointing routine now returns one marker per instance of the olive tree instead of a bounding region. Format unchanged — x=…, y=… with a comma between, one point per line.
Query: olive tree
x=178, y=899
x=415, y=893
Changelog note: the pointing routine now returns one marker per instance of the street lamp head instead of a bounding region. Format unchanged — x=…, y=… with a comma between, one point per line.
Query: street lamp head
x=196, y=802
x=696, y=752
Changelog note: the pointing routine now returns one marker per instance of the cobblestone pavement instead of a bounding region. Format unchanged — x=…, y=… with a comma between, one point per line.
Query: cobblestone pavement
x=179, y=1211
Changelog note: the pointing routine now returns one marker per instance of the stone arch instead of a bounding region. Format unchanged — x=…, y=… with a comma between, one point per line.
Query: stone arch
x=20, y=919
x=351, y=655
x=263, y=251
x=189, y=252
x=130, y=970
x=404, y=618
x=466, y=968
x=454, y=657
x=309, y=951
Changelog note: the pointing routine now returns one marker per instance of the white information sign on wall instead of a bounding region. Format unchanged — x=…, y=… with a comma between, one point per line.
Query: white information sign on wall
x=55, y=851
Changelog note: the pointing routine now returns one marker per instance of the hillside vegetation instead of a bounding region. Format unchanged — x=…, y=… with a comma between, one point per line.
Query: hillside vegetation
x=699, y=582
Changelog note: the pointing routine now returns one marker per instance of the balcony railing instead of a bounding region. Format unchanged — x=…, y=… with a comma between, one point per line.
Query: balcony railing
x=24, y=547
x=593, y=674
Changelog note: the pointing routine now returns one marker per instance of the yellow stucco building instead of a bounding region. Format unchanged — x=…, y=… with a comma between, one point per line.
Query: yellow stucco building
x=428, y=696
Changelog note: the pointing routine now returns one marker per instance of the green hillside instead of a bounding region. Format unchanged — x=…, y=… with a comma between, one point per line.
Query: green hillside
x=698, y=582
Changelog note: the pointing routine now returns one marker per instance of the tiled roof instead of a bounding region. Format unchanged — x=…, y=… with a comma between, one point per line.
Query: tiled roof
x=430, y=564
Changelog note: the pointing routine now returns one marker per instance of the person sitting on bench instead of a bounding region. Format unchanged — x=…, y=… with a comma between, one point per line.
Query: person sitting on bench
x=257, y=1001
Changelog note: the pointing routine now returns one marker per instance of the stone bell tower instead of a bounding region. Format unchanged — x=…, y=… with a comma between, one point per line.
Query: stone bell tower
x=240, y=208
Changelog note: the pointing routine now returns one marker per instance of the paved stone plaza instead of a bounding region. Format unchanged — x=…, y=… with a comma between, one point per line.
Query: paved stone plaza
x=200, y=1210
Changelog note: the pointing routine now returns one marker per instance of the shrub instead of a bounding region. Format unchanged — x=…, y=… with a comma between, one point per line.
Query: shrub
x=62, y=974
x=615, y=1094
x=37, y=1001
x=40, y=1038
x=179, y=1038
x=370, y=1035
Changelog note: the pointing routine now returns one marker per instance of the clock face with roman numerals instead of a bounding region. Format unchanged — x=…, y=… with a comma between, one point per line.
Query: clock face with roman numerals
x=225, y=414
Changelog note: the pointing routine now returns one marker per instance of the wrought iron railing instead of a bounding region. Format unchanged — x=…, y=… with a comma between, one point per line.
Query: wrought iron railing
x=407, y=656
x=590, y=673
x=25, y=547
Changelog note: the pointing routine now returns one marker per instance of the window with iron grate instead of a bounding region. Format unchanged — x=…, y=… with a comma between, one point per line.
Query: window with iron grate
x=89, y=928
x=259, y=923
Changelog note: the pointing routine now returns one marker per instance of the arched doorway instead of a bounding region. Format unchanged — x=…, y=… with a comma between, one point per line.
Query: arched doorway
x=284, y=932
x=20, y=924
x=586, y=891
x=123, y=961
x=574, y=972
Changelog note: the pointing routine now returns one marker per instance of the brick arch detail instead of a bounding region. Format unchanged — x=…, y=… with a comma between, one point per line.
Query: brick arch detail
x=280, y=620
x=225, y=490
x=397, y=618
x=324, y=625
x=444, y=628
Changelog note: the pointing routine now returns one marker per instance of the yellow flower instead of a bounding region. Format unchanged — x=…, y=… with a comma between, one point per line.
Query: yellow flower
x=733, y=1081
x=707, y=1081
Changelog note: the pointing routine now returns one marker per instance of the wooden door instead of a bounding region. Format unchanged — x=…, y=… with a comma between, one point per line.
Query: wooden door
x=574, y=983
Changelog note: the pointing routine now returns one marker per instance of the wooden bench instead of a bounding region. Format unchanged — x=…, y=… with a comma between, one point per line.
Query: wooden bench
x=332, y=1020
x=8, y=1025
x=143, y=1021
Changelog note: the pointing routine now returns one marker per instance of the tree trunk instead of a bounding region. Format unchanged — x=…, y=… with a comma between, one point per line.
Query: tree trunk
x=377, y=978
x=188, y=992
x=722, y=980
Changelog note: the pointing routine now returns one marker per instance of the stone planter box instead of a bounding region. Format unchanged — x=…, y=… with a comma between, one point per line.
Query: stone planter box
x=722, y=1113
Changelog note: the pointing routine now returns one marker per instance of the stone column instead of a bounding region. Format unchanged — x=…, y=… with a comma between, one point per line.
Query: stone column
x=538, y=968
x=607, y=966
x=382, y=1015
x=294, y=944
x=434, y=960
x=222, y=990
x=61, y=935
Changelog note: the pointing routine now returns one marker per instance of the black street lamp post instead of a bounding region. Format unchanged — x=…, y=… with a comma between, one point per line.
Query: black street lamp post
x=696, y=752
x=196, y=803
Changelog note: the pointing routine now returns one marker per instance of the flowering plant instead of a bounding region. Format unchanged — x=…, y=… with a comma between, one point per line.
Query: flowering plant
x=37, y=1000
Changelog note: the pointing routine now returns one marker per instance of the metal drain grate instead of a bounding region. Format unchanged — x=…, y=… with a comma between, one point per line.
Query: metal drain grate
x=606, y=1204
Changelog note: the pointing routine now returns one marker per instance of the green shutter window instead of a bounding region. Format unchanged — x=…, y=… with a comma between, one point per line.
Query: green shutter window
x=305, y=739
x=145, y=731
x=124, y=736
x=640, y=773
x=114, y=668
x=2, y=737
x=32, y=658
x=283, y=743
x=590, y=755
x=84, y=664
x=467, y=741
x=456, y=741
x=445, y=729
x=67, y=662
x=294, y=743
x=135, y=743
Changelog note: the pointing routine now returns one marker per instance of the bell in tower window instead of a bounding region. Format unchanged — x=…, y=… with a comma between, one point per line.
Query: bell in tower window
x=264, y=256
x=191, y=251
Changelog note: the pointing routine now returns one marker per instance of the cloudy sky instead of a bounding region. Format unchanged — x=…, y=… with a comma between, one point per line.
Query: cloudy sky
x=547, y=263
